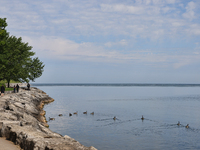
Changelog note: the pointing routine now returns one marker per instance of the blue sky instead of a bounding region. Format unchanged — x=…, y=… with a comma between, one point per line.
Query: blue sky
x=110, y=41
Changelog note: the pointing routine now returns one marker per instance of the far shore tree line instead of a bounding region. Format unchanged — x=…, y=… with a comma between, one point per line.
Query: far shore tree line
x=16, y=58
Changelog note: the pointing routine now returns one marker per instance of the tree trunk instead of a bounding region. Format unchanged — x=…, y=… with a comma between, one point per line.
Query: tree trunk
x=8, y=81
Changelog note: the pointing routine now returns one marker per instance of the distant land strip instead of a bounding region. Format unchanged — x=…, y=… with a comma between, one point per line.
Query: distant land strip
x=118, y=84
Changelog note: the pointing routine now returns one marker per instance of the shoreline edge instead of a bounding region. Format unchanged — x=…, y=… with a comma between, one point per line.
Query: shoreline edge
x=23, y=121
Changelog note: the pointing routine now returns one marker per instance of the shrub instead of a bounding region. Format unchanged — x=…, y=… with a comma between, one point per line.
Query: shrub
x=3, y=84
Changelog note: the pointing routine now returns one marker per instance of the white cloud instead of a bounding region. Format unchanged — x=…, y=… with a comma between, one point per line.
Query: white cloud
x=193, y=30
x=122, y=8
x=145, y=19
x=157, y=2
x=172, y=1
x=119, y=43
x=190, y=14
x=197, y=49
x=63, y=49
x=177, y=24
x=147, y=2
x=186, y=60
x=117, y=24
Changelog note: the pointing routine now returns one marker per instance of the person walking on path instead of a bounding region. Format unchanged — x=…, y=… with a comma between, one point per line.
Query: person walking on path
x=2, y=90
x=17, y=88
x=14, y=88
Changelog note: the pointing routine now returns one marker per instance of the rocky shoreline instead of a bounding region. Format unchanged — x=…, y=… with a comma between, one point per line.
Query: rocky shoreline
x=22, y=121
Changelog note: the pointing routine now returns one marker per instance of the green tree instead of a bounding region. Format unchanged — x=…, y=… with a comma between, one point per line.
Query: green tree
x=17, y=62
x=3, y=32
x=3, y=36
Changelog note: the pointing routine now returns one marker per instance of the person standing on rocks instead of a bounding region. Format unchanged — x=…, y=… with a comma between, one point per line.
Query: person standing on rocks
x=2, y=90
x=14, y=88
x=17, y=88
x=28, y=85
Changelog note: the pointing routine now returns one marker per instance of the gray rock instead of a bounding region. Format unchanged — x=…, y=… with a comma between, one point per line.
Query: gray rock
x=22, y=121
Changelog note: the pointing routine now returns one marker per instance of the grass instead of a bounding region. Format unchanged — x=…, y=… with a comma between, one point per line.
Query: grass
x=9, y=89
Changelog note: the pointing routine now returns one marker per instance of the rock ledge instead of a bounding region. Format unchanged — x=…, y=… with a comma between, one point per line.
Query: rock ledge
x=22, y=121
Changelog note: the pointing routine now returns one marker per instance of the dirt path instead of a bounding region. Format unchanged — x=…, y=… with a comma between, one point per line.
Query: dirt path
x=7, y=145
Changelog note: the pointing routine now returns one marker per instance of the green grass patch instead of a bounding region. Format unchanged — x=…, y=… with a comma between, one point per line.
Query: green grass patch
x=9, y=89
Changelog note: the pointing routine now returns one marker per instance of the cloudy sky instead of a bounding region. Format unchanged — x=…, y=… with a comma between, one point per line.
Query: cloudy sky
x=110, y=41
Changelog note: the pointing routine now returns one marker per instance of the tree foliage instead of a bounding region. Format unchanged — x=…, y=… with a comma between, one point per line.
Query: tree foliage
x=16, y=58
x=3, y=32
x=3, y=36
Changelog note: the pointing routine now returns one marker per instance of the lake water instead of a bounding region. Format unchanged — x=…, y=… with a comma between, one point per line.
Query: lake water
x=161, y=105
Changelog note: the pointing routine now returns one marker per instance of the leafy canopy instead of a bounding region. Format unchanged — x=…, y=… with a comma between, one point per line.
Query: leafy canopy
x=16, y=58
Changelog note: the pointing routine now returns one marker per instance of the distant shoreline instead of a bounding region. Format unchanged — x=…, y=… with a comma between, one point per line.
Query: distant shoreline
x=118, y=84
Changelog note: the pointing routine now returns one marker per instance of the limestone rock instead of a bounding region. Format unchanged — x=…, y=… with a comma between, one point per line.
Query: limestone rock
x=23, y=122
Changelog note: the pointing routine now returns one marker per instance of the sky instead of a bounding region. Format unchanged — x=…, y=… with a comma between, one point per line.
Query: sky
x=110, y=41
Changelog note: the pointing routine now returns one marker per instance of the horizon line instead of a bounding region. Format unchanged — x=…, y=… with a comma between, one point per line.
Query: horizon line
x=116, y=84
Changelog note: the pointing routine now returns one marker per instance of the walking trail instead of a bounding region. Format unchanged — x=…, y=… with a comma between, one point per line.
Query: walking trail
x=7, y=145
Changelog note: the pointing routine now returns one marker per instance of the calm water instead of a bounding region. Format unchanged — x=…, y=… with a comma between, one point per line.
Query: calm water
x=161, y=105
